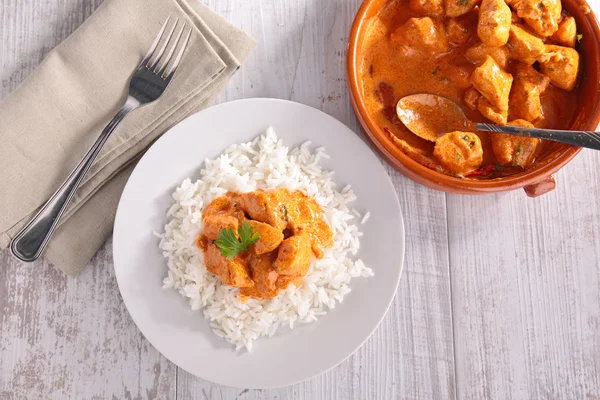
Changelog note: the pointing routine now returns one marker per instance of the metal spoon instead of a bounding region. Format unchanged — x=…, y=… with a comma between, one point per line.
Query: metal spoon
x=430, y=116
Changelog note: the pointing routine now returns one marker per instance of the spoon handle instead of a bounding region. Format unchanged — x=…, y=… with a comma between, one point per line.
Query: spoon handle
x=591, y=140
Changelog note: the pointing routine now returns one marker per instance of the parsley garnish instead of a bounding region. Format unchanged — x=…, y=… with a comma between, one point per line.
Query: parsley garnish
x=579, y=37
x=468, y=140
x=519, y=149
x=230, y=245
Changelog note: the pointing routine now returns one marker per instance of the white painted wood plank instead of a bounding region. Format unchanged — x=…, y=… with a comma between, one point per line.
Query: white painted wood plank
x=63, y=338
x=526, y=289
x=301, y=56
x=66, y=338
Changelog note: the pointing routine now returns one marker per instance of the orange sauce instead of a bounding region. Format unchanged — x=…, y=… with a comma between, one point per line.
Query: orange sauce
x=290, y=230
x=389, y=73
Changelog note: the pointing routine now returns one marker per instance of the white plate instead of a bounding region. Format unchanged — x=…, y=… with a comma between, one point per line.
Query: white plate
x=184, y=336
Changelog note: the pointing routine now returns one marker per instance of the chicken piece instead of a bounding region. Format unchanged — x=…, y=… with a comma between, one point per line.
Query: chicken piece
x=306, y=218
x=490, y=112
x=218, y=205
x=459, y=152
x=264, y=277
x=517, y=151
x=214, y=223
x=493, y=83
x=566, y=34
x=524, y=99
x=537, y=80
x=561, y=65
x=541, y=15
x=424, y=34
x=456, y=8
x=479, y=52
x=294, y=255
x=459, y=31
x=322, y=237
x=231, y=272
x=494, y=22
x=270, y=237
x=264, y=207
x=430, y=8
x=471, y=97
x=524, y=46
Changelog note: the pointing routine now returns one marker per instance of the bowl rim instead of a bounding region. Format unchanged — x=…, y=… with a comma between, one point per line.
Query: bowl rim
x=420, y=173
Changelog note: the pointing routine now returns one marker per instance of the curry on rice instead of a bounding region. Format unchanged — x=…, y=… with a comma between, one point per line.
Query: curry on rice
x=289, y=230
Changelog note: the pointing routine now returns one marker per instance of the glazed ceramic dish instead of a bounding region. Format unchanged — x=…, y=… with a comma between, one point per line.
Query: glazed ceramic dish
x=536, y=179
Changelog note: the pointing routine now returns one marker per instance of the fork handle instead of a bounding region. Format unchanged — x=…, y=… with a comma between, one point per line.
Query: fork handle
x=590, y=140
x=31, y=241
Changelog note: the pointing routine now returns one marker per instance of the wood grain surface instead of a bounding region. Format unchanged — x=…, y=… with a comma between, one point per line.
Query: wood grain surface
x=500, y=296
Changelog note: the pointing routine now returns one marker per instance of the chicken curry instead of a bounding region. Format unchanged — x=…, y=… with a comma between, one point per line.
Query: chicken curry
x=505, y=61
x=283, y=230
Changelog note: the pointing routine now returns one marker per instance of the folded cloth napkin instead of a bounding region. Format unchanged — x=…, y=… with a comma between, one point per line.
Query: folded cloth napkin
x=48, y=123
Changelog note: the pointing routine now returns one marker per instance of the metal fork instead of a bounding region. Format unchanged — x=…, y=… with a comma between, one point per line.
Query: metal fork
x=147, y=84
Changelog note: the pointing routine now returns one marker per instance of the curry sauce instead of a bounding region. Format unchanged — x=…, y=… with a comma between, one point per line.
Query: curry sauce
x=416, y=47
x=290, y=231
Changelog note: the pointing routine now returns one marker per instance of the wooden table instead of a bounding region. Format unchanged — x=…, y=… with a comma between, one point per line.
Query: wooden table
x=500, y=296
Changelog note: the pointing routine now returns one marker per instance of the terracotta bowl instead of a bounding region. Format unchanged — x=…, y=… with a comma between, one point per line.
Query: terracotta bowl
x=538, y=178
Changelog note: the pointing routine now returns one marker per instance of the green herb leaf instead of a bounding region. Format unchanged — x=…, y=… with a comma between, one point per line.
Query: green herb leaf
x=463, y=3
x=247, y=235
x=519, y=149
x=579, y=37
x=230, y=245
x=468, y=141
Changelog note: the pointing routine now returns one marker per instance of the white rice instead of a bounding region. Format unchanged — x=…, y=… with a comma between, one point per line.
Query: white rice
x=263, y=163
x=366, y=218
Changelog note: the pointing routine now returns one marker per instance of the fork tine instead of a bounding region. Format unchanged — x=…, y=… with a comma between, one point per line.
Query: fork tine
x=155, y=43
x=179, y=55
x=163, y=47
x=171, y=51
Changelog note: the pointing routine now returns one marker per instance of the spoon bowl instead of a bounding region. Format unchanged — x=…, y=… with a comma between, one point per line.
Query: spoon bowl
x=430, y=116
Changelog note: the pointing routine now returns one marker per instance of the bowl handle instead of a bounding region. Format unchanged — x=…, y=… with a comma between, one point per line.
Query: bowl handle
x=542, y=187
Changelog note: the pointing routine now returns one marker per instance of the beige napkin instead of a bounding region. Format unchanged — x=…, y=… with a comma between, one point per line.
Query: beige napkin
x=49, y=122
